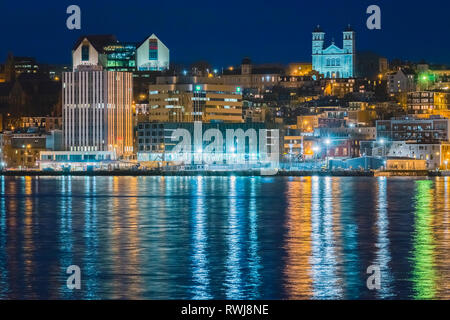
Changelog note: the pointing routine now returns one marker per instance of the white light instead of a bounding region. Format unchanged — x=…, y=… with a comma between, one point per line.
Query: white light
x=327, y=141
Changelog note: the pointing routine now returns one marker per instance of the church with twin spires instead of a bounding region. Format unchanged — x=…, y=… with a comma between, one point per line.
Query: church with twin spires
x=334, y=62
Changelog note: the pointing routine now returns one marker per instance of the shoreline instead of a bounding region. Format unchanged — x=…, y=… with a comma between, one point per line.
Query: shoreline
x=255, y=173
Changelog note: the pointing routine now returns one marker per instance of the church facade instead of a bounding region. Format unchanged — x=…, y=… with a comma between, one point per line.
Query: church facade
x=334, y=62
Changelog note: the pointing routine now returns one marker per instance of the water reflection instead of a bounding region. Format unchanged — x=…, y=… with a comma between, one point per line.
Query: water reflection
x=298, y=244
x=224, y=237
x=326, y=284
x=423, y=273
x=200, y=264
x=383, y=254
x=233, y=280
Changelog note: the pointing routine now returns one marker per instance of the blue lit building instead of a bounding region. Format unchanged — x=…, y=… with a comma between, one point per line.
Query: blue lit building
x=334, y=62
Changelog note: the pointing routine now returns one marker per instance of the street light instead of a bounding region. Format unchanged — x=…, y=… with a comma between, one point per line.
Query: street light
x=382, y=142
x=327, y=143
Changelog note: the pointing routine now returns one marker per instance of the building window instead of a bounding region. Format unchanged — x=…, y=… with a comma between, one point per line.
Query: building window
x=153, y=49
x=85, y=52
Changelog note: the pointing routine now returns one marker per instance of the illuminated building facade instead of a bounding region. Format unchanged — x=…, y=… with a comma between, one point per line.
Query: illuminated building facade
x=253, y=78
x=156, y=142
x=195, y=102
x=152, y=55
x=299, y=69
x=402, y=80
x=429, y=102
x=334, y=62
x=97, y=111
x=307, y=123
x=120, y=57
x=433, y=153
x=21, y=150
x=111, y=54
x=434, y=128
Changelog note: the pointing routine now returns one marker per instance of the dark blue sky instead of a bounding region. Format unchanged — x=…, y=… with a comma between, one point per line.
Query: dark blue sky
x=223, y=32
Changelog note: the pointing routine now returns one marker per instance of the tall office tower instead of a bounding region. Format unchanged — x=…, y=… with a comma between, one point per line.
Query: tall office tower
x=97, y=110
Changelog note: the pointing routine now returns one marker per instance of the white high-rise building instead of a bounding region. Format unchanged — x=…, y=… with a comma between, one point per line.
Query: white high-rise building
x=97, y=111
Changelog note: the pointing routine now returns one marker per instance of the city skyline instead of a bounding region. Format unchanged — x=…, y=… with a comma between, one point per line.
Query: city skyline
x=266, y=33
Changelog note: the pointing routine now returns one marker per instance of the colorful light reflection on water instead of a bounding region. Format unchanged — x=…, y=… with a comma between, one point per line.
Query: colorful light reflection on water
x=224, y=237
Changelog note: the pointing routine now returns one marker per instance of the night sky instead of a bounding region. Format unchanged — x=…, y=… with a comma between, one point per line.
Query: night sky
x=223, y=32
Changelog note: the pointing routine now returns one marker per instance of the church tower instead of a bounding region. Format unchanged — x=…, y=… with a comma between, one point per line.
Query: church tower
x=318, y=39
x=349, y=50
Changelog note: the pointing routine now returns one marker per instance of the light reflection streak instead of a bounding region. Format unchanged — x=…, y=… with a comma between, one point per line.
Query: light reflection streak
x=65, y=232
x=323, y=261
x=423, y=274
x=298, y=246
x=349, y=244
x=254, y=258
x=440, y=229
x=383, y=254
x=233, y=278
x=199, y=257
x=4, y=274
x=28, y=247
x=91, y=239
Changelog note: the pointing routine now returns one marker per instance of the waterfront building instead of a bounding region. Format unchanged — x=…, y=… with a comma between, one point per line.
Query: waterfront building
x=80, y=161
x=334, y=62
x=433, y=128
x=97, y=111
x=157, y=145
x=21, y=150
x=187, y=102
x=54, y=140
x=436, y=155
x=405, y=164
